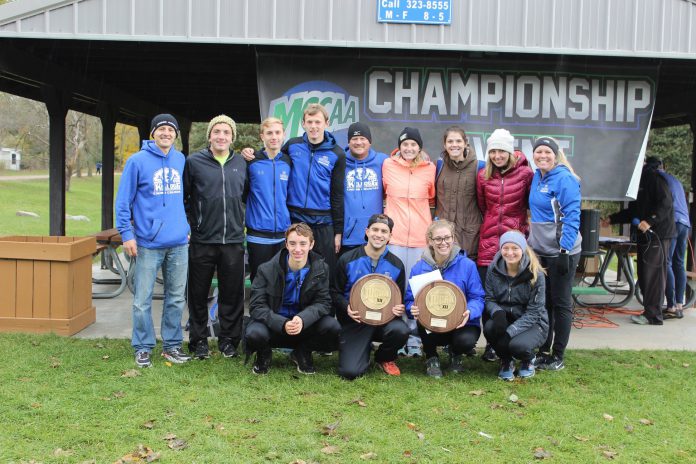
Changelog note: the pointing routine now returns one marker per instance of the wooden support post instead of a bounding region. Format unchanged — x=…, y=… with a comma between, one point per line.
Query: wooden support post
x=56, y=101
x=108, y=115
x=185, y=131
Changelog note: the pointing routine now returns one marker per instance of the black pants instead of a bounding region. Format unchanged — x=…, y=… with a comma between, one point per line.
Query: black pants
x=521, y=346
x=261, y=253
x=228, y=260
x=482, y=271
x=460, y=341
x=355, y=341
x=559, y=304
x=652, y=276
x=320, y=336
x=324, y=244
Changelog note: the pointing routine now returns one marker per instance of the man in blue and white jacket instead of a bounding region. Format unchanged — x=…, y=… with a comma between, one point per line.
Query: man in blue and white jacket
x=315, y=191
x=364, y=194
x=151, y=194
x=355, y=341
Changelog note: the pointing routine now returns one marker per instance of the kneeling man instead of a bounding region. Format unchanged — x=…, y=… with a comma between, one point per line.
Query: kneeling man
x=290, y=304
x=356, y=337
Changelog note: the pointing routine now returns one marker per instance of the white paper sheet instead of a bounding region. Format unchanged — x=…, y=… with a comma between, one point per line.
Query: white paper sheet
x=420, y=281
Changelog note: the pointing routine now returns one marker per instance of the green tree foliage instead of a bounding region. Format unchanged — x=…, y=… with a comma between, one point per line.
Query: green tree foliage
x=674, y=146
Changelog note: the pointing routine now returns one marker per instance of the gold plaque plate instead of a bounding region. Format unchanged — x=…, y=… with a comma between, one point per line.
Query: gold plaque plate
x=441, y=305
x=373, y=296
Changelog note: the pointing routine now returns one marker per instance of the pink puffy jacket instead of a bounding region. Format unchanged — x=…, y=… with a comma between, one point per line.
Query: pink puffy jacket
x=503, y=200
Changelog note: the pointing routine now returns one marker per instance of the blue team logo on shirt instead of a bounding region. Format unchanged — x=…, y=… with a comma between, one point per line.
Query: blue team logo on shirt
x=284, y=176
x=361, y=179
x=324, y=161
x=166, y=181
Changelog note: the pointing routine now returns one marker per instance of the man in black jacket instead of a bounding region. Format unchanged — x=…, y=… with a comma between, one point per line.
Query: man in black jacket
x=215, y=189
x=290, y=304
x=653, y=215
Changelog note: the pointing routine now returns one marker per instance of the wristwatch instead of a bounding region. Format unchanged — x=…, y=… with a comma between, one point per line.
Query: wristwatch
x=564, y=251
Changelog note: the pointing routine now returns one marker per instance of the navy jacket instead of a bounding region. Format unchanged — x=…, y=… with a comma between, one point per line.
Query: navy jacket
x=267, y=212
x=461, y=271
x=364, y=194
x=316, y=183
x=268, y=289
x=355, y=264
x=214, y=196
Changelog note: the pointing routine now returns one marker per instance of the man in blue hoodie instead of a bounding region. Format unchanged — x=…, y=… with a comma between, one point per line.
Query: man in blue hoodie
x=315, y=190
x=364, y=195
x=151, y=194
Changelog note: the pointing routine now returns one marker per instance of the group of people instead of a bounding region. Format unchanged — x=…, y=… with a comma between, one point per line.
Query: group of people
x=317, y=217
x=660, y=216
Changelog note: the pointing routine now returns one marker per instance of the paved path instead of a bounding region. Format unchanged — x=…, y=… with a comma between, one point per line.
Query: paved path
x=114, y=321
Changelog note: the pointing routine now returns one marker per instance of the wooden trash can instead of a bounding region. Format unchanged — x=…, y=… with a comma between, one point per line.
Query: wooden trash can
x=46, y=284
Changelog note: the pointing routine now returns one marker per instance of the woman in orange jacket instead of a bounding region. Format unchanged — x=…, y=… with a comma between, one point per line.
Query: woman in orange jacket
x=409, y=188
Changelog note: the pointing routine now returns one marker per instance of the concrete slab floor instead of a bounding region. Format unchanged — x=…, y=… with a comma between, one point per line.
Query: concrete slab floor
x=114, y=321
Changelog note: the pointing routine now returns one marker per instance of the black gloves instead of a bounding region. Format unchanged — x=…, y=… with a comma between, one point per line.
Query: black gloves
x=562, y=263
x=500, y=323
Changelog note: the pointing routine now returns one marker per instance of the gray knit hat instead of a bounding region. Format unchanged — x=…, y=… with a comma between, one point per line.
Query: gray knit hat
x=222, y=119
x=513, y=236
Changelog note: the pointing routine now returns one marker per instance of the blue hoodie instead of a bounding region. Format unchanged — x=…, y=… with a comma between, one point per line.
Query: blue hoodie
x=315, y=191
x=151, y=193
x=459, y=270
x=554, y=201
x=364, y=194
x=267, y=215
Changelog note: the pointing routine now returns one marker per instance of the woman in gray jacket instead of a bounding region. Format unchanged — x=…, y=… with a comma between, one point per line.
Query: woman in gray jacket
x=515, y=295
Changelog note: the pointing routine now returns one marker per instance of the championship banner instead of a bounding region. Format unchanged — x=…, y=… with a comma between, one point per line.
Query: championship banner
x=600, y=116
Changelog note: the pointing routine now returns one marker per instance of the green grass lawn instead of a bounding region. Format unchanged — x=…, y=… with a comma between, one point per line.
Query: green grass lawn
x=24, y=172
x=83, y=199
x=67, y=400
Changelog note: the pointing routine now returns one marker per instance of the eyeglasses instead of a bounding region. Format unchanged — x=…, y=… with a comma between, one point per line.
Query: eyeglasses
x=439, y=240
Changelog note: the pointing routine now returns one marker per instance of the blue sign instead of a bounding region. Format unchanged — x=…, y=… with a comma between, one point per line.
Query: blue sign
x=414, y=11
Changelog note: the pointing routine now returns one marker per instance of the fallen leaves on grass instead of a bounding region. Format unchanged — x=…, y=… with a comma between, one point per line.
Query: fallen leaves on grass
x=99, y=345
x=580, y=438
x=485, y=435
x=685, y=365
x=369, y=455
x=253, y=420
x=420, y=435
x=168, y=363
x=36, y=405
x=130, y=373
x=541, y=453
x=408, y=454
x=496, y=406
x=628, y=428
x=105, y=357
x=359, y=402
x=60, y=452
x=168, y=437
x=477, y=392
x=609, y=454
x=141, y=454
x=412, y=426
x=608, y=417
x=55, y=362
x=645, y=421
x=513, y=398
x=119, y=394
x=329, y=429
x=329, y=449
x=149, y=425
x=177, y=444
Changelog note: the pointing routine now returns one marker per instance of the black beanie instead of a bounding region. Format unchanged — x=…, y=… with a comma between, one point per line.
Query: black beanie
x=358, y=129
x=653, y=162
x=547, y=142
x=381, y=218
x=411, y=133
x=164, y=119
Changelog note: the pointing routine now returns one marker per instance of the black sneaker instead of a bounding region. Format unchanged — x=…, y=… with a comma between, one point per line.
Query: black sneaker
x=303, y=361
x=553, y=364
x=228, y=350
x=142, y=359
x=456, y=364
x=176, y=356
x=262, y=364
x=542, y=359
x=489, y=354
x=432, y=368
x=200, y=350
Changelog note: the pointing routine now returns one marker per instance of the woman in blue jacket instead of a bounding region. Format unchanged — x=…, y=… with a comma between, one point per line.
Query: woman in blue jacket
x=554, y=201
x=515, y=296
x=444, y=253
